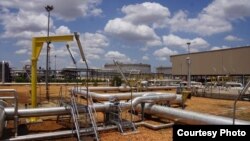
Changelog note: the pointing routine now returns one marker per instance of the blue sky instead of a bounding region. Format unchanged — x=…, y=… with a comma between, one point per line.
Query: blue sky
x=129, y=31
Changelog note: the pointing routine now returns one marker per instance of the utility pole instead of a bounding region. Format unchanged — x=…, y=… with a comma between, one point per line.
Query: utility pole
x=55, y=66
x=48, y=9
x=188, y=63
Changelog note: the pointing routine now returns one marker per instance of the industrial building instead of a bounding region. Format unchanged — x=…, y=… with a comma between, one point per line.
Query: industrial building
x=232, y=63
x=5, y=72
x=143, y=68
x=166, y=71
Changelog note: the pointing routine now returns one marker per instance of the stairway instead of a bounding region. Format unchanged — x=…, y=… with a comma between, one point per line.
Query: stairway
x=114, y=117
x=84, y=123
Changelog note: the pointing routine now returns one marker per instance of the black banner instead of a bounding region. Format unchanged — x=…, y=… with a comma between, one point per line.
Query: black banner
x=211, y=132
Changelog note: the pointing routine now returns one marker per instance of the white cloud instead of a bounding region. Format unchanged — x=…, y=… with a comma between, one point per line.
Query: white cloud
x=70, y=10
x=164, y=53
x=63, y=58
x=146, y=13
x=94, y=53
x=213, y=19
x=96, y=12
x=216, y=18
x=218, y=48
x=93, y=43
x=229, y=9
x=21, y=51
x=144, y=49
x=156, y=42
x=24, y=24
x=117, y=56
x=176, y=41
x=65, y=9
x=24, y=43
x=130, y=32
x=232, y=38
x=138, y=23
x=94, y=40
x=145, y=57
x=23, y=20
x=204, y=24
x=63, y=52
x=25, y=61
x=93, y=57
x=62, y=30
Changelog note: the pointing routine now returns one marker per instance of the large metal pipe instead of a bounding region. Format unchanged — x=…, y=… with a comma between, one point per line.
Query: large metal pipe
x=121, y=96
x=178, y=115
x=65, y=133
x=56, y=134
x=52, y=111
x=15, y=103
x=149, y=99
x=65, y=110
x=2, y=117
x=107, y=97
x=188, y=117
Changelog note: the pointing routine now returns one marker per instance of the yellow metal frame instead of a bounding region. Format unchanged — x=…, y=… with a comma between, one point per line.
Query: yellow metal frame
x=37, y=44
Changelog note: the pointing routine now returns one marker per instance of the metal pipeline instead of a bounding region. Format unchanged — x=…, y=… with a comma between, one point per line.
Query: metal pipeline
x=15, y=103
x=149, y=99
x=188, y=117
x=178, y=115
x=122, y=96
x=56, y=134
x=2, y=116
x=65, y=133
x=52, y=111
x=65, y=110
x=107, y=97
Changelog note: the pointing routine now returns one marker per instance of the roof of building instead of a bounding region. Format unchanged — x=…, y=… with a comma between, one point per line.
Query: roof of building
x=126, y=64
x=233, y=48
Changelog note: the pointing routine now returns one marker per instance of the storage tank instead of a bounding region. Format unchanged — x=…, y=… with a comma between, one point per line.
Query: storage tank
x=4, y=72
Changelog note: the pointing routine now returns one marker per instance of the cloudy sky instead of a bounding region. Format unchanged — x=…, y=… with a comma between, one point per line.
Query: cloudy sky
x=129, y=31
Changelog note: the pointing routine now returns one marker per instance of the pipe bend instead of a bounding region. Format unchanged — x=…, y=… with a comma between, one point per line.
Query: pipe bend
x=149, y=99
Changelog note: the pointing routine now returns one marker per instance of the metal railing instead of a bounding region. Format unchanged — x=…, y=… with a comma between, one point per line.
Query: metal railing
x=242, y=92
x=75, y=115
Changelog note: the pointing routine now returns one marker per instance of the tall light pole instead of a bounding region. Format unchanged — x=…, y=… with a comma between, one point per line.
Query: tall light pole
x=55, y=66
x=48, y=9
x=188, y=63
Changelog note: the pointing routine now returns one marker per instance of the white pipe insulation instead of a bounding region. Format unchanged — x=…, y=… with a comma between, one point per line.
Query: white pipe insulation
x=123, y=96
x=178, y=115
x=51, y=111
x=189, y=117
x=174, y=114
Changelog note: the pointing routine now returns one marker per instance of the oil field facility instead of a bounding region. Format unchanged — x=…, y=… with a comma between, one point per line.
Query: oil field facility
x=122, y=101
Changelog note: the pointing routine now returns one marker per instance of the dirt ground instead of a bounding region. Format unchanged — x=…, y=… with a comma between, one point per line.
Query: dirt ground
x=198, y=104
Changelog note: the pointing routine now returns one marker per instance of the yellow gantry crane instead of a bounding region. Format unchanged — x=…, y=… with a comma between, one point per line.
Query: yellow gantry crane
x=37, y=44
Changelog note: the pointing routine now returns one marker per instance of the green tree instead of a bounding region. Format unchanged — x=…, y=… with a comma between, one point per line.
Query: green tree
x=116, y=81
